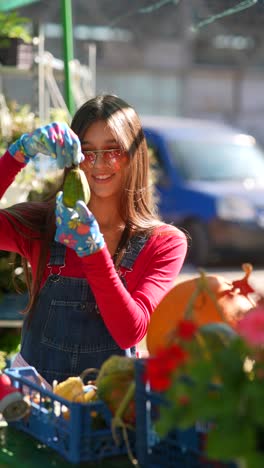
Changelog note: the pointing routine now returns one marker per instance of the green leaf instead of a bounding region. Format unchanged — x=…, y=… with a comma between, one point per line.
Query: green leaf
x=227, y=443
x=13, y=26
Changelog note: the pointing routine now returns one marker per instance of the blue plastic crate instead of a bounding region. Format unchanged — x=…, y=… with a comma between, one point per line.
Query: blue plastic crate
x=83, y=436
x=180, y=448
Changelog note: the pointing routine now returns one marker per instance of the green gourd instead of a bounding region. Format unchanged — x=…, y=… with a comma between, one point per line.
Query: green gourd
x=113, y=382
x=75, y=187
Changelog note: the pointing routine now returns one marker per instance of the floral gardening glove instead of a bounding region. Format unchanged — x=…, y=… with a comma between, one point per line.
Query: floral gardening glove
x=56, y=139
x=77, y=228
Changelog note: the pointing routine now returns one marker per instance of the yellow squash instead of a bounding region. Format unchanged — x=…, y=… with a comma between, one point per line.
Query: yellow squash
x=71, y=389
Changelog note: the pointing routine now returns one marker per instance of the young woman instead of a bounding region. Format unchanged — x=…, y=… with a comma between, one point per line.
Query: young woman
x=95, y=273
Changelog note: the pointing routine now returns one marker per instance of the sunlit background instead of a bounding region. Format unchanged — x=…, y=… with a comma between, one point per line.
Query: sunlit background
x=199, y=58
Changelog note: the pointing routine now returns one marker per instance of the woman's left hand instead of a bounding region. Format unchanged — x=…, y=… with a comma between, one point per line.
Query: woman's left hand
x=77, y=228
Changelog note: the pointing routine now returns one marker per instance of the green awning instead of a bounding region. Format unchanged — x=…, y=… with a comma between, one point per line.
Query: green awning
x=6, y=5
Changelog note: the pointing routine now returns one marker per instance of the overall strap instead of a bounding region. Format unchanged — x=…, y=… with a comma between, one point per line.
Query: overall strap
x=57, y=254
x=135, y=245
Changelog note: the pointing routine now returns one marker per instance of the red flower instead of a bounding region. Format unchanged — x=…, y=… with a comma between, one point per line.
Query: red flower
x=159, y=369
x=160, y=382
x=186, y=329
x=170, y=358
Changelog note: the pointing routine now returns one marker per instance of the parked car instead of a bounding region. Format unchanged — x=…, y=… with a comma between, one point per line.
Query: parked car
x=210, y=182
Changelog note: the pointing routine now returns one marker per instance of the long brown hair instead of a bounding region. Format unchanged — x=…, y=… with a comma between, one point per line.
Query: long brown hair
x=137, y=203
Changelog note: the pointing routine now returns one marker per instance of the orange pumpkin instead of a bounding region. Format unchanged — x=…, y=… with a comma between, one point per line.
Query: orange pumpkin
x=204, y=299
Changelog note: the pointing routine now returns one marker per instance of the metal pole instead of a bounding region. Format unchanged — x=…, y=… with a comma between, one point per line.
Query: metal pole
x=66, y=13
x=92, y=67
x=41, y=75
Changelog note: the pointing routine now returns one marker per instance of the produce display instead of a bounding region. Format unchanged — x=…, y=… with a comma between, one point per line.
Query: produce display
x=204, y=311
x=111, y=385
x=70, y=418
x=114, y=385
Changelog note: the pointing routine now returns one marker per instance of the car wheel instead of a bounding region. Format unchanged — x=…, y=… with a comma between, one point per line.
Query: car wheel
x=199, y=246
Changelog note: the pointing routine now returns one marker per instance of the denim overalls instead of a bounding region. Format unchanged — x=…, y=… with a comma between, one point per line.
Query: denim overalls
x=67, y=333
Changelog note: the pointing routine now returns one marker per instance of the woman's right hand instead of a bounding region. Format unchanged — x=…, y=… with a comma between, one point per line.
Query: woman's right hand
x=56, y=139
x=77, y=228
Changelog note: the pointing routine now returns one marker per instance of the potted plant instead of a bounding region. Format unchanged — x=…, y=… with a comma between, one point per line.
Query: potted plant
x=14, y=34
